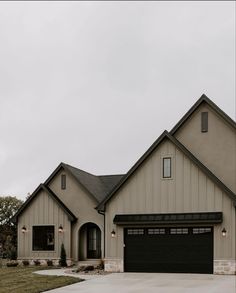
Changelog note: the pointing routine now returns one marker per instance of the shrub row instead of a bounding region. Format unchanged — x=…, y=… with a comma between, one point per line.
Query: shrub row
x=26, y=262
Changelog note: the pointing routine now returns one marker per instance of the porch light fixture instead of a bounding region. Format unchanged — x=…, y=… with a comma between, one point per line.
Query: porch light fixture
x=224, y=232
x=60, y=229
x=113, y=233
x=23, y=229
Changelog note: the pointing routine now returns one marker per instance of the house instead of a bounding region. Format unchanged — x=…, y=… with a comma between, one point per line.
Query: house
x=173, y=211
x=62, y=210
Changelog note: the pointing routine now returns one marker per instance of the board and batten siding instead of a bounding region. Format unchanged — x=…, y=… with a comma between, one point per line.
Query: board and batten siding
x=189, y=190
x=43, y=210
x=216, y=148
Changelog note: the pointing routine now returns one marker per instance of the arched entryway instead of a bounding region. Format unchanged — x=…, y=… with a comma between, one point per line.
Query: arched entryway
x=89, y=242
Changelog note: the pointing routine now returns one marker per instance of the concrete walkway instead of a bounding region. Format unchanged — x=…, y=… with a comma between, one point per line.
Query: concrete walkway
x=153, y=283
x=66, y=272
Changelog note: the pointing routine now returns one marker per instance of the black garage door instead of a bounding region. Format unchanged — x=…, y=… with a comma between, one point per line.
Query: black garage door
x=173, y=250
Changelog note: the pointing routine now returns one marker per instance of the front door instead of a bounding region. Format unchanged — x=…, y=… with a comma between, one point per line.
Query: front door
x=93, y=241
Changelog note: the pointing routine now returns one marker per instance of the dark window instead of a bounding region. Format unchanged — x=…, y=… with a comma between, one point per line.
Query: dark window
x=204, y=122
x=135, y=231
x=166, y=167
x=43, y=237
x=93, y=241
x=63, y=181
x=92, y=238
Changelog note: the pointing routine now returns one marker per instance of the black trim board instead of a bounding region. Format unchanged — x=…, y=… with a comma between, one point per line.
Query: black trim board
x=167, y=135
x=171, y=218
x=70, y=215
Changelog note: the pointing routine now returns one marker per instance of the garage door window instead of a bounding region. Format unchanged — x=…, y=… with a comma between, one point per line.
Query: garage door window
x=156, y=231
x=201, y=230
x=179, y=231
x=135, y=231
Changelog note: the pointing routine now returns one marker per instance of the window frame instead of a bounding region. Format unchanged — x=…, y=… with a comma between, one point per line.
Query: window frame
x=63, y=181
x=204, y=122
x=47, y=246
x=163, y=167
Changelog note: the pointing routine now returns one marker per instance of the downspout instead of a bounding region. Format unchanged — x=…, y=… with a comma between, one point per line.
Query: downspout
x=235, y=239
x=104, y=239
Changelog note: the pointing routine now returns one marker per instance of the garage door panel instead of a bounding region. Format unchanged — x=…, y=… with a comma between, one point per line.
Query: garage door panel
x=190, y=252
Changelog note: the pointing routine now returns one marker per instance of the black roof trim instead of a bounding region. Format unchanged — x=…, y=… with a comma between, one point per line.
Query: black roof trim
x=70, y=215
x=176, y=218
x=202, y=99
x=167, y=135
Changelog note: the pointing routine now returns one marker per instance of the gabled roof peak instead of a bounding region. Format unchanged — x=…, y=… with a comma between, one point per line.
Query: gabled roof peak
x=43, y=187
x=186, y=152
x=213, y=106
x=97, y=186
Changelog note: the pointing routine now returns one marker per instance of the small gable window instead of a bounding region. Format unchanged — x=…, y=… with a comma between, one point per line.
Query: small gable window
x=204, y=121
x=166, y=172
x=63, y=181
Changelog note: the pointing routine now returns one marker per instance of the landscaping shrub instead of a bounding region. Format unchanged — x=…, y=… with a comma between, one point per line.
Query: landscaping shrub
x=25, y=262
x=89, y=268
x=37, y=262
x=13, y=253
x=62, y=261
x=49, y=263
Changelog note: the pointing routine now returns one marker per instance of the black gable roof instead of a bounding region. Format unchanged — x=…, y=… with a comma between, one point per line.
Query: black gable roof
x=110, y=181
x=97, y=186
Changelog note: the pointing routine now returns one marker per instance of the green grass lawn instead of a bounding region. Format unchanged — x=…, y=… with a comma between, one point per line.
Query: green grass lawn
x=22, y=280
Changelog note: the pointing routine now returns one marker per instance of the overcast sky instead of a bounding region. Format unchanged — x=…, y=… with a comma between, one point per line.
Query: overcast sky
x=93, y=84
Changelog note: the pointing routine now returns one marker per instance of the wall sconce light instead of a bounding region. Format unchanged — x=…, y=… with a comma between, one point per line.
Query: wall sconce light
x=60, y=229
x=23, y=229
x=113, y=233
x=224, y=232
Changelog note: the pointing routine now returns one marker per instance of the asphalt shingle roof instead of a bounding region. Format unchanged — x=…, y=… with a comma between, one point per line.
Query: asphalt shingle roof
x=98, y=186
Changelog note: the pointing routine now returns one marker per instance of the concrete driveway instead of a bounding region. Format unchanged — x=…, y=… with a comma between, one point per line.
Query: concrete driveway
x=153, y=283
